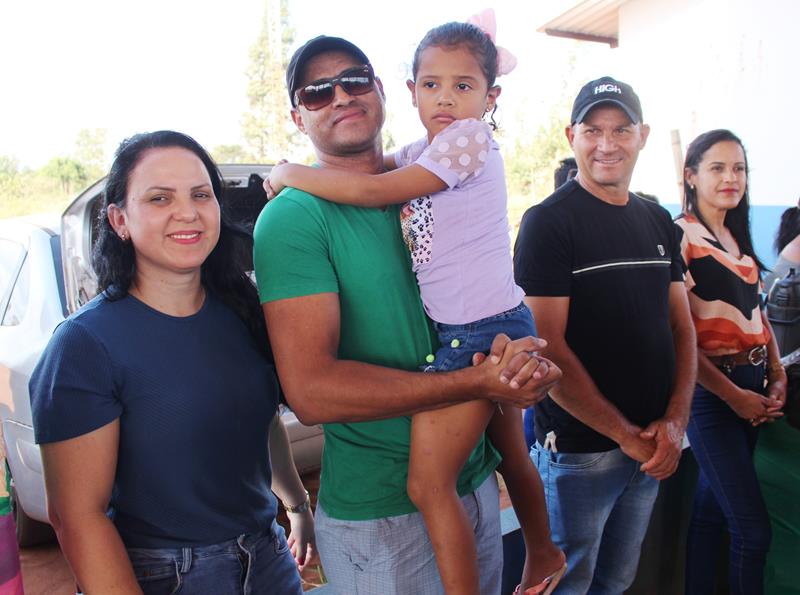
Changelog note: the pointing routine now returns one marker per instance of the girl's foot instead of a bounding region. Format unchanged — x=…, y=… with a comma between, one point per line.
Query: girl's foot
x=546, y=558
x=547, y=586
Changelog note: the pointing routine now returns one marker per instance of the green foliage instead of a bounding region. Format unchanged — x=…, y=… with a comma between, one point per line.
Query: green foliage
x=232, y=154
x=10, y=182
x=266, y=127
x=51, y=187
x=530, y=166
x=9, y=167
x=70, y=173
x=29, y=192
x=532, y=158
x=90, y=151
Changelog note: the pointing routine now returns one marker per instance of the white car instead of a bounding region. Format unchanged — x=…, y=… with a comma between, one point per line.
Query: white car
x=46, y=274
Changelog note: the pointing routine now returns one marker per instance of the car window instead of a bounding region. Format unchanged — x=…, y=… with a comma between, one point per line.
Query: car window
x=11, y=255
x=18, y=302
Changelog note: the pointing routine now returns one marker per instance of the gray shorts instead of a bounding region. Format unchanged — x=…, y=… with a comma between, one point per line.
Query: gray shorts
x=393, y=555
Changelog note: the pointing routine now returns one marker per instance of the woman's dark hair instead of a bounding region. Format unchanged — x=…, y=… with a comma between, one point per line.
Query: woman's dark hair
x=453, y=35
x=788, y=229
x=566, y=170
x=737, y=220
x=222, y=273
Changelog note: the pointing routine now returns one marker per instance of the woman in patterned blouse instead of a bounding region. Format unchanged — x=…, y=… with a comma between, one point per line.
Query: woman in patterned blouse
x=741, y=383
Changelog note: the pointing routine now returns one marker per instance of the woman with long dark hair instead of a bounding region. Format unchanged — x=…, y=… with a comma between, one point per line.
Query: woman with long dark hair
x=154, y=402
x=741, y=383
x=787, y=245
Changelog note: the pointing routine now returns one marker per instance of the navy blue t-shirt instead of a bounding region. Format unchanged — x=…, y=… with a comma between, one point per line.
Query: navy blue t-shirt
x=194, y=398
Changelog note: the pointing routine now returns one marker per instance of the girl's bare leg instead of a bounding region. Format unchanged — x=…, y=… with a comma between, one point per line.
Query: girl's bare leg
x=543, y=557
x=441, y=441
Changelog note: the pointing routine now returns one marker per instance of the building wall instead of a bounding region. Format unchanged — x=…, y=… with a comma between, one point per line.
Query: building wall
x=703, y=64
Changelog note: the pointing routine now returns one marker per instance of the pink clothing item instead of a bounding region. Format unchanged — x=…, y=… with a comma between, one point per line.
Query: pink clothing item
x=10, y=574
x=486, y=22
x=459, y=242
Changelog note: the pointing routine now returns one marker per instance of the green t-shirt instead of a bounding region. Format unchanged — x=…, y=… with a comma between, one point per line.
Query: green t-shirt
x=305, y=246
x=5, y=501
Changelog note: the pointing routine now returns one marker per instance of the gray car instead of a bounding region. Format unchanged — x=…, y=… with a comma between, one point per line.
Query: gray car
x=45, y=274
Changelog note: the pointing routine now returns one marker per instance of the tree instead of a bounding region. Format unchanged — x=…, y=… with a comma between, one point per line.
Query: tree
x=90, y=151
x=9, y=167
x=266, y=127
x=231, y=154
x=531, y=163
x=10, y=179
x=530, y=166
x=68, y=171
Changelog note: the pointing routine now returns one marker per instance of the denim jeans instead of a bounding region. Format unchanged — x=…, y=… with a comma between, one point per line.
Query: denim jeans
x=252, y=564
x=599, y=505
x=529, y=425
x=459, y=342
x=728, y=493
x=393, y=555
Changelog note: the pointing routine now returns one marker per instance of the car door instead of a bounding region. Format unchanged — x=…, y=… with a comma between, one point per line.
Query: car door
x=30, y=308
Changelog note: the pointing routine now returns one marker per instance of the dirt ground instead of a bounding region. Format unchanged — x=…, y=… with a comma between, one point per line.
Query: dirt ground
x=45, y=572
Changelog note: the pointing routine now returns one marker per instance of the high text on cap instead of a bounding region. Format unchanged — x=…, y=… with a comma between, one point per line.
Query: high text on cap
x=607, y=88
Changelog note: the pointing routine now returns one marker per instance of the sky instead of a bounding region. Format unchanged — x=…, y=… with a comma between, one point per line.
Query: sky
x=132, y=67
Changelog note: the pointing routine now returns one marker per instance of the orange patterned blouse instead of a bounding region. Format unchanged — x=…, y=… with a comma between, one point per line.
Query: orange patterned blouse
x=724, y=292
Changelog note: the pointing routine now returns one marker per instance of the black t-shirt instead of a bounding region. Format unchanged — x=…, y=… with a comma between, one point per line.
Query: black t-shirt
x=615, y=263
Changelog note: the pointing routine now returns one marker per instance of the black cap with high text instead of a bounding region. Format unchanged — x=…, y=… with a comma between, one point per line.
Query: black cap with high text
x=606, y=90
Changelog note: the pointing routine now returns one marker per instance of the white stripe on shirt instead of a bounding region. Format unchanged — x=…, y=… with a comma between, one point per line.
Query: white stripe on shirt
x=621, y=264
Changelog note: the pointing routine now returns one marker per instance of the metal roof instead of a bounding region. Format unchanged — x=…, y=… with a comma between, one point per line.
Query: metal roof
x=590, y=20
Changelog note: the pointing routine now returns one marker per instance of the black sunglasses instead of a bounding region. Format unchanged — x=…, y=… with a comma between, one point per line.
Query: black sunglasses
x=354, y=81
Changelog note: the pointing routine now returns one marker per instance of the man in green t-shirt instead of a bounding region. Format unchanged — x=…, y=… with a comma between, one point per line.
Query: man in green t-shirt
x=349, y=333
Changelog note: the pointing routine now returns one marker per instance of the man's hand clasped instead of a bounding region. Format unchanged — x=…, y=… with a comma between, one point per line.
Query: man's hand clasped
x=657, y=447
x=667, y=434
x=514, y=373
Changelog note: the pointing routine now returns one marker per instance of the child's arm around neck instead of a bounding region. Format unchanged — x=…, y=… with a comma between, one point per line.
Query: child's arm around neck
x=354, y=188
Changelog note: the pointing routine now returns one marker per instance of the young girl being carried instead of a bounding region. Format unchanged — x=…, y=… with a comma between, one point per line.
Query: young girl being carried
x=456, y=226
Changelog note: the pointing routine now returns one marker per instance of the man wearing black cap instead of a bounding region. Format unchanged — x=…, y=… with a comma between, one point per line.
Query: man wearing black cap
x=601, y=269
x=348, y=331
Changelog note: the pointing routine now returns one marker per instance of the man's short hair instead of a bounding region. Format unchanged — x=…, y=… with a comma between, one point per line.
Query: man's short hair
x=606, y=90
x=317, y=45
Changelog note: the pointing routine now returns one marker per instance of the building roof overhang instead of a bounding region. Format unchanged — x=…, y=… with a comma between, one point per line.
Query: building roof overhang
x=590, y=20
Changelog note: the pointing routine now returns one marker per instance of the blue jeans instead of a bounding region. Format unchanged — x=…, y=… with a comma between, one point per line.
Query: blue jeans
x=393, y=555
x=252, y=564
x=529, y=425
x=599, y=505
x=728, y=494
x=459, y=342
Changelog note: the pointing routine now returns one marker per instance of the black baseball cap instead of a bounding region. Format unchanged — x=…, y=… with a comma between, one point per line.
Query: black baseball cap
x=606, y=90
x=317, y=45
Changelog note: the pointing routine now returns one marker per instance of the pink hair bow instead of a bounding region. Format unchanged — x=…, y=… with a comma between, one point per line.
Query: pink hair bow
x=486, y=22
